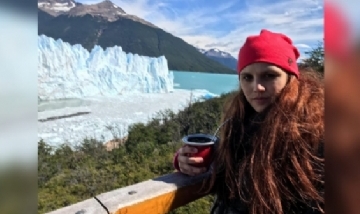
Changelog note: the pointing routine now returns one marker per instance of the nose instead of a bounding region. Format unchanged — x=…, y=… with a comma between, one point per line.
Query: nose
x=258, y=87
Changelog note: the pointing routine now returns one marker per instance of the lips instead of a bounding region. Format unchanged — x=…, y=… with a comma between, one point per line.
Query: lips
x=260, y=98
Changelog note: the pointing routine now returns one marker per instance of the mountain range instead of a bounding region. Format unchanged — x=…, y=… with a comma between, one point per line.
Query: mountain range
x=220, y=56
x=107, y=25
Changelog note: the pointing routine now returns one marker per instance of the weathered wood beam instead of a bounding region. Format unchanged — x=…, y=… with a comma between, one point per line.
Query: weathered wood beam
x=155, y=196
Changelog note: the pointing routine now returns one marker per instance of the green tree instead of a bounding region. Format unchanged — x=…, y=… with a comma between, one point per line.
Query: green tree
x=316, y=58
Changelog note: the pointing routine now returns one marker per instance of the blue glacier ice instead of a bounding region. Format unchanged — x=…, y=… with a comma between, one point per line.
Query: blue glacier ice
x=70, y=71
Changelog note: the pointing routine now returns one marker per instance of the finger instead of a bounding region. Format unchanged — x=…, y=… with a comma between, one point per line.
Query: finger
x=187, y=150
x=185, y=168
x=193, y=160
x=187, y=171
x=197, y=170
x=191, y=170
x=189, y=160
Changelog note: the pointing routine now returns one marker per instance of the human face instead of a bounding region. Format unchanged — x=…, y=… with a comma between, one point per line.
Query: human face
x=261, y=83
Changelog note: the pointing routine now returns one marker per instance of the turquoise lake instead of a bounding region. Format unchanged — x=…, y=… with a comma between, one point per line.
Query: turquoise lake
x=214, y=83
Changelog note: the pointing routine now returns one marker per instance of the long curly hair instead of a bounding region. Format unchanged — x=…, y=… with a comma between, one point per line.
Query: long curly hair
x=279, y=163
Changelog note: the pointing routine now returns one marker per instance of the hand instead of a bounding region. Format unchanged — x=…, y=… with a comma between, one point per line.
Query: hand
x=184, y=161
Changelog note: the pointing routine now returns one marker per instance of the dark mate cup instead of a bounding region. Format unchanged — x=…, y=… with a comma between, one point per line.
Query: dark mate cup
x=205, y=144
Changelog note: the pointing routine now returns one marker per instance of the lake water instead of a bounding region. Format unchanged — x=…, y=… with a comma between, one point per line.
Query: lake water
x=214, y=83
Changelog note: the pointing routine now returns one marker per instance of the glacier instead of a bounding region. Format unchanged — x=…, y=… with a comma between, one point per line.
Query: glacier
x=68, y=71
x=99, y=94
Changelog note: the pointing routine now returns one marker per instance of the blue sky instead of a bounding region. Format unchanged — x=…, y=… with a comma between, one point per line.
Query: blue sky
x=226, y=24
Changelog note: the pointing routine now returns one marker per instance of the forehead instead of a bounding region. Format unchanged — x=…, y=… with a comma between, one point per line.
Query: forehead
x=260, y=67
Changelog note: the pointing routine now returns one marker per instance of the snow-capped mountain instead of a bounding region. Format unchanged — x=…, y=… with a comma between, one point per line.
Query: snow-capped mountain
x=217, y=53
x=220, y=56
x=57, y=7
x=105, y=9
x=201, y=50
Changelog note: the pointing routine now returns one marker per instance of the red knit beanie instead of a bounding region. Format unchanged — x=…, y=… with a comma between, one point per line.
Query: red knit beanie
x=269, y=47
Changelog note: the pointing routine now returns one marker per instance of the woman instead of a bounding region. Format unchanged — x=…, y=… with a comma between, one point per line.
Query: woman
x=270, y=157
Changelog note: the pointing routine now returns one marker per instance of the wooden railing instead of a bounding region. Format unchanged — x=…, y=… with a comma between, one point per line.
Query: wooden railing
x=155, y=196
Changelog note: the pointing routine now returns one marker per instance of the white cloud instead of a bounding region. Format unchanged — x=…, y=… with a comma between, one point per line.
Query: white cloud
x=301, y=20
x=302, y=46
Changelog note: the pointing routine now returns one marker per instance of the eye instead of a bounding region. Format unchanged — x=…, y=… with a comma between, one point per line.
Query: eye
x=270, y=76
x=247, y=77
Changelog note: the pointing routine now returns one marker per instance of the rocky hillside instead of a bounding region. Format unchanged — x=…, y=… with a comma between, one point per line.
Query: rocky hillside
x=107, y=25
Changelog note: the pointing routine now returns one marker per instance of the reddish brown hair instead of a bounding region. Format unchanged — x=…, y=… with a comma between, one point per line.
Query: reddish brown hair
x=279, y=164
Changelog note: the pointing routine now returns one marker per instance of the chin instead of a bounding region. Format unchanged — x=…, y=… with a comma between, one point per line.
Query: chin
x=259, y=109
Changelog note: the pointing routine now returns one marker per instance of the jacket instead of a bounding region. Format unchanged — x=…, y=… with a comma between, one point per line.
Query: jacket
x=236, y=206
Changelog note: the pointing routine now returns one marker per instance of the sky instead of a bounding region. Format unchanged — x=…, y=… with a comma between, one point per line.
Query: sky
x=225, y=24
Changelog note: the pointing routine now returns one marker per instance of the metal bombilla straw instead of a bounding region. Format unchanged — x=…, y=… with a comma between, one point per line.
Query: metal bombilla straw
x=218, y=128
x=214, y=139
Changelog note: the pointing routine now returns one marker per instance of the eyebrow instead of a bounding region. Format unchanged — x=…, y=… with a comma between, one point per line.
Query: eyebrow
x=244, y=73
